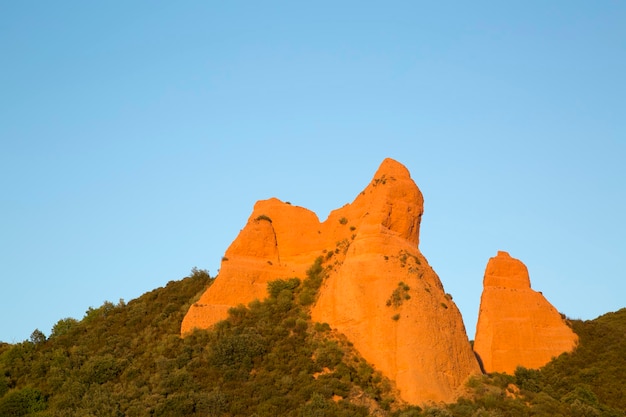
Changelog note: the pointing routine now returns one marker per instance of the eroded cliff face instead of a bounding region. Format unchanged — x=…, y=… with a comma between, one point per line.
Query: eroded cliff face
x=516, y=325
x=379, y=291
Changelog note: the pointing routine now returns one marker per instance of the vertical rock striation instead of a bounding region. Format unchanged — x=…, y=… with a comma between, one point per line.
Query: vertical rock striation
x=516, y=325
x=379, y=291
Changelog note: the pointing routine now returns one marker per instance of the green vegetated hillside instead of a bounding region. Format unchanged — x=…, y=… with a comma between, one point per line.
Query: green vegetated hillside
x=269, y=359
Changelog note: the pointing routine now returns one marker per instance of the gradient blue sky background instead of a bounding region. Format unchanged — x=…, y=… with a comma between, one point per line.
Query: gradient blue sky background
x=135, y=138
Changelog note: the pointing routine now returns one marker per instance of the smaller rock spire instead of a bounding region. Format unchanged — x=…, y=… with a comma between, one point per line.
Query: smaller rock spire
x=505, y=271
x=516, y=325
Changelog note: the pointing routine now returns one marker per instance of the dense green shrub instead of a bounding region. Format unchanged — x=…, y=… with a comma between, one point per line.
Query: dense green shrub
x=21, y=402
x=399, y=295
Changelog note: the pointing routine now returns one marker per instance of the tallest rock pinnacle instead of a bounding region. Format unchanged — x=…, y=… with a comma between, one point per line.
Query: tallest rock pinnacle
x=379, y=290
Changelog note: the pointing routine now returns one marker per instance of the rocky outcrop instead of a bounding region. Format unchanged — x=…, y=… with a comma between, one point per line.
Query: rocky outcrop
x=516, y=325
x=379, y=291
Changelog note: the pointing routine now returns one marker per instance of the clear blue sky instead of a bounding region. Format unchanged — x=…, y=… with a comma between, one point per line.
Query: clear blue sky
x=135, y=138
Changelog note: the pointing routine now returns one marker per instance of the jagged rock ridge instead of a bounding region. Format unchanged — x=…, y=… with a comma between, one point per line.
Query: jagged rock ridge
x=381, y=292
x=517, y=326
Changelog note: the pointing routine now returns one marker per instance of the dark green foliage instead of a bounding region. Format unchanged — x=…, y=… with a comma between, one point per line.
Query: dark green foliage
x=4, y=385
x=37, y=337
x=22, y=402
x=274, y=288
x=127, y=359
x=238, y=350
x=263, y=217
x=63, y=326
x=268, y=359
x=399, y=295
x=116, y=361
x=527, y=379
x=314, y=278
x=328, y=354
x=598, y=363
x=102, y=368
x=321, y=327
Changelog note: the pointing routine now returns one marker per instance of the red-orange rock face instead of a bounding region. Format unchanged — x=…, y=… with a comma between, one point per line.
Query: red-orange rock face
x=516, y=325
x=381, y=292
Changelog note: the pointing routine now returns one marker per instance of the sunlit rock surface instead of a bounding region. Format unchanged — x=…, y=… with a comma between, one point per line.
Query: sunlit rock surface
x=516, y=325
x=380, y=291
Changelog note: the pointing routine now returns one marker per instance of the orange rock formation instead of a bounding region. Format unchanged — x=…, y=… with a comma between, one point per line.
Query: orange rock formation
x=380, y=291
x=516, y=325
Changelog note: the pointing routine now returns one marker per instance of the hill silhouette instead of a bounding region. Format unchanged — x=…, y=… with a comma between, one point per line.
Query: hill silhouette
x=270, y=358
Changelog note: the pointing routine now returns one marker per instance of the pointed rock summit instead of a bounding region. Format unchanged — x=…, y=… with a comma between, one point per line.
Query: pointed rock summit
x=379, y=289
x=516, y=325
